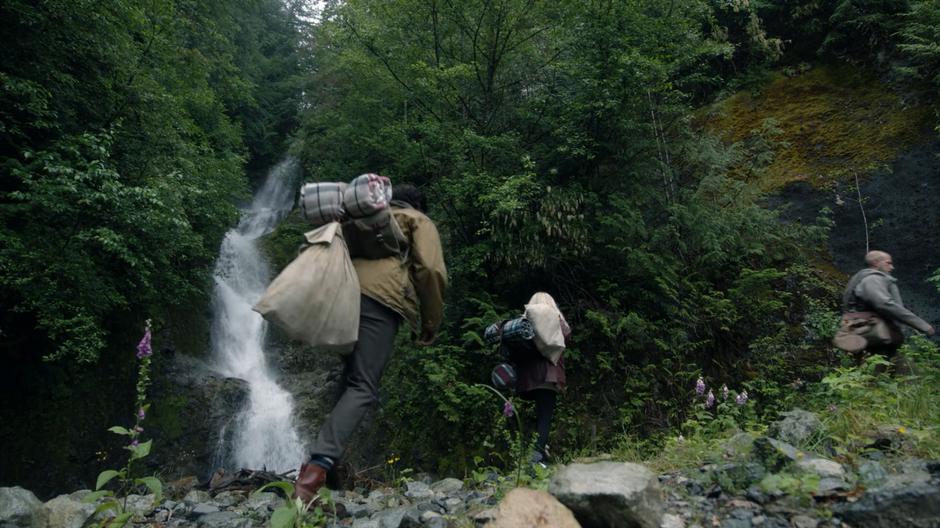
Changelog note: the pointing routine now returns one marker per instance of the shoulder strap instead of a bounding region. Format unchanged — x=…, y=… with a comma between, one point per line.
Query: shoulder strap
x=850, y=301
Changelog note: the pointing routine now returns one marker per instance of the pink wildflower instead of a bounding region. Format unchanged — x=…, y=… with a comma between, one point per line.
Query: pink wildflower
x=700, y=386
x=709, y=400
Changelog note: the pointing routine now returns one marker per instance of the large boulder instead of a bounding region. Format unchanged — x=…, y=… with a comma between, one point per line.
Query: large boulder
x=915, y=506
x=776, y=456
x=67, y=511
x=796, y=427
x=610, y=494
x=533, y=509
x=19, y=508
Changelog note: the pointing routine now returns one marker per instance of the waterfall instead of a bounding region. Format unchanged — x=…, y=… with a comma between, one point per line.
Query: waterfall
x=264, y=435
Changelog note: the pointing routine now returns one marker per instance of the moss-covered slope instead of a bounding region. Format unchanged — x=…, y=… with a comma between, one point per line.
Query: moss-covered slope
x=827, y=123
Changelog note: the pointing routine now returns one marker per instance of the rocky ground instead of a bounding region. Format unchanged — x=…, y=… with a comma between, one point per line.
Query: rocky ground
x=762, y=481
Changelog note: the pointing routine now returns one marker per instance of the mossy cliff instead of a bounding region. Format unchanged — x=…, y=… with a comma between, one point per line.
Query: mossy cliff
x=822, y=123
x=810, y=133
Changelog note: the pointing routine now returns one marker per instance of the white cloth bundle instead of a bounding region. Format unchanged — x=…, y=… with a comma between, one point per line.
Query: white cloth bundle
x=549, y=325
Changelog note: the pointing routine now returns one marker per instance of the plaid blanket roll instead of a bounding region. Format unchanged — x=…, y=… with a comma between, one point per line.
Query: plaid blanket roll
x=367, y=194
x=513, y=330
x=322, y=203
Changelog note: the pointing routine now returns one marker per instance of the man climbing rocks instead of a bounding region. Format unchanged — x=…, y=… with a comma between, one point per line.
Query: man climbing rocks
x=408, y=286
x=872, y=309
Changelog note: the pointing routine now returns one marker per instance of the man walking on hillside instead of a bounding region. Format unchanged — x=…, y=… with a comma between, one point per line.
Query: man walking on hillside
x=872, y=302
x=409, y=286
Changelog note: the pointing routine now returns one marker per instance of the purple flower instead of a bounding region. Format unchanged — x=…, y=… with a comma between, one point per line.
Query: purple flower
x=143, y=348
x=141, y=414
x=724, y=392
x=742, y=398
x=138, y=429
x=134, y=443
x=709, y=400
x=700, y=386
x=508, y=409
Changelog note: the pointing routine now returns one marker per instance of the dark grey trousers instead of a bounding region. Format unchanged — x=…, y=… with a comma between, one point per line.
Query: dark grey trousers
x=378, y=325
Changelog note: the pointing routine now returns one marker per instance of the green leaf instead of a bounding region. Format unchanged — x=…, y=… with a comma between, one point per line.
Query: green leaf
x=154, y=485
x=121, y=519
x=111, y=504
x=284, y=486
x=117, y=429
x=141, y=450
x=95, y=495
x=105, y=476
x=283, y=517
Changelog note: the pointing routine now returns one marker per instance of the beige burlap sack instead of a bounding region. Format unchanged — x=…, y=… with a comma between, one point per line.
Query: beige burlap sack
x=549, y=338
x=861, y=330
x=316, y=298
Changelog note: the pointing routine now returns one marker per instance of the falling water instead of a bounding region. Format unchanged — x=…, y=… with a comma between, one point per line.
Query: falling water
x=265, y=435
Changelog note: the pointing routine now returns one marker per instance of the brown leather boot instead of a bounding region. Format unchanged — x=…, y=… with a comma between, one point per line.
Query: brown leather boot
x=309, y=481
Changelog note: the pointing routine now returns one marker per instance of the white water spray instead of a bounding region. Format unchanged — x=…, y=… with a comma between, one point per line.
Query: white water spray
x=265, y=436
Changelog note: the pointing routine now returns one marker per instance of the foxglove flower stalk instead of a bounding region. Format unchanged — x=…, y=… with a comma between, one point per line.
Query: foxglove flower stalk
x=143, y=348
x=700, y=386
x=742, y=398
x=724, y=392
x=709, y=400
x=508, y=409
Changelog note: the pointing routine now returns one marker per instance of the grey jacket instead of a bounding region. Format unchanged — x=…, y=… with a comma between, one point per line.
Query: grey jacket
x=873, y=290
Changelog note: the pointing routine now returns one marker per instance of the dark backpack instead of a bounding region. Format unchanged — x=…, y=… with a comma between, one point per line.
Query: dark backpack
x=375, y=236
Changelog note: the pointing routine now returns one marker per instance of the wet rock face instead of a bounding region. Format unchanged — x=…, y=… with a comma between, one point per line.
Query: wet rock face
x=902, y=209
x=192, y=409
x=903, y=205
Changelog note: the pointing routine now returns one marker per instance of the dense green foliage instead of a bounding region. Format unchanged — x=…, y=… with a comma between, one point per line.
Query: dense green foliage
x=856, y=403
x=125, y=129
x=554, y=141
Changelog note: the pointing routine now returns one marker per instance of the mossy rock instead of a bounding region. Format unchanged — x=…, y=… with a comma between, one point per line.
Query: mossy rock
x=828, y=124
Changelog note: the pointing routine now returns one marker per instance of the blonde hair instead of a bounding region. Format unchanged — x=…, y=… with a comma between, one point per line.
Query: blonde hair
x=543, y=298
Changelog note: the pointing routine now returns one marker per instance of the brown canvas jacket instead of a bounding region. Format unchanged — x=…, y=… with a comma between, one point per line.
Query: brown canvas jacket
x=412, y=286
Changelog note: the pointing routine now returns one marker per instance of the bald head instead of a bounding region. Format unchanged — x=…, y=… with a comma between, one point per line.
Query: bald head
x=880, y=261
